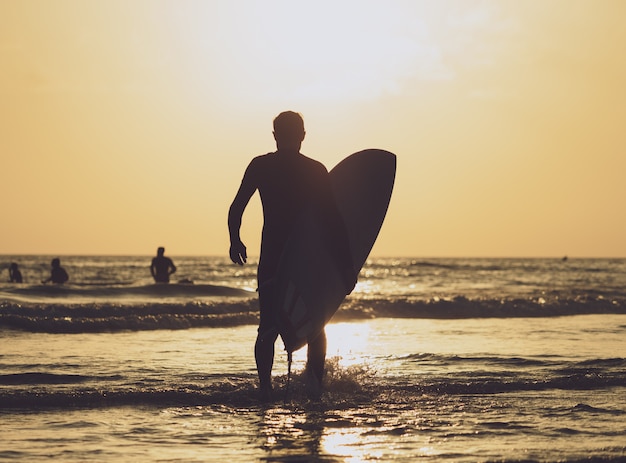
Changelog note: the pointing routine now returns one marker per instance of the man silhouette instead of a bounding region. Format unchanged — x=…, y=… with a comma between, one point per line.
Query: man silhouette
x=58, y=275
x=162, y=267
x=288, y=183
x=15, y=276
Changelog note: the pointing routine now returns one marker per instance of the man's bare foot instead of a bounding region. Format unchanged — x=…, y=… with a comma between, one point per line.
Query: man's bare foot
x=313, y=386
x=265, y=393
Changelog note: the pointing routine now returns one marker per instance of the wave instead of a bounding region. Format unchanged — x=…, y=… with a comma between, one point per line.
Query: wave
x=34, y=377
x=462, y=307
x=96, y=292
x=486, y=366
x=92, y=317
x=344, y=387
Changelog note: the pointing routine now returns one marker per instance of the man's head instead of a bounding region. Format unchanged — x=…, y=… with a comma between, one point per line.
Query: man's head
x=289, y=130
x=160, y=251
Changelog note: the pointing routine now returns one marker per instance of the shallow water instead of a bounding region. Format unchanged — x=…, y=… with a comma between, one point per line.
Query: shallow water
x=429, y=359
x=545, y=389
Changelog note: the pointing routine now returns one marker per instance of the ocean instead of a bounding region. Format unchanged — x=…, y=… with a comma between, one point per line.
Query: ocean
x=430, y=359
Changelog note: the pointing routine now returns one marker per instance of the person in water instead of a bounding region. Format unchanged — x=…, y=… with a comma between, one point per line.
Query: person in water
x=15, y=276
x=58, y=275
x=162, y=267
x=288, y=183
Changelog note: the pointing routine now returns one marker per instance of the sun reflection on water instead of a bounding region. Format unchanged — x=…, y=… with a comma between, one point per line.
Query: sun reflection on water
x=348, y=443
x=348, y=341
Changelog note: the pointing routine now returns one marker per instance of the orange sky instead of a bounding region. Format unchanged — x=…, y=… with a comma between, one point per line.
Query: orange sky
x=128, y=125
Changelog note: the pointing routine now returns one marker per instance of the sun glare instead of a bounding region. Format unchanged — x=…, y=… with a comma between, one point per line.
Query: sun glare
x=343, y=51
x=347, y=342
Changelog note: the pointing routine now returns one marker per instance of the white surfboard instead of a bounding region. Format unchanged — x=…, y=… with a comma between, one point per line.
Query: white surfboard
x=309, y=288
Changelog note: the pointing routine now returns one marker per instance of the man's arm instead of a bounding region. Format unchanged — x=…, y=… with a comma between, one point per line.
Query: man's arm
x=238, y=253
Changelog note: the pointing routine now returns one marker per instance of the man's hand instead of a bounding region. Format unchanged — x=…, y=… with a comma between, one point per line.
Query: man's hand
x=238, y=253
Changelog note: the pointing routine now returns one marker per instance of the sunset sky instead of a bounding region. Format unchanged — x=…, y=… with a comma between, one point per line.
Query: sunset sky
x=127, y=125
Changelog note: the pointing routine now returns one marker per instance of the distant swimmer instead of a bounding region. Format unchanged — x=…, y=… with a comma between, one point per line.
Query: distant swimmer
x=58, y=274
x=15, y=276
x=162, y=267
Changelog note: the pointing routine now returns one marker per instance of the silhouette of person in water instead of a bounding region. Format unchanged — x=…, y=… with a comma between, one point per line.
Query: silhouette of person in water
x=58, y=274
x=162, y=267
x=288, y=183
x=15, y=276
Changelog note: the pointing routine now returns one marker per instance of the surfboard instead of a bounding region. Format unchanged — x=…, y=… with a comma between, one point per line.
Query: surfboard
x=309, y=287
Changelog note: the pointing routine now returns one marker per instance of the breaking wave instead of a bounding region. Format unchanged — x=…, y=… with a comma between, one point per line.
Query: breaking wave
x=241, y=308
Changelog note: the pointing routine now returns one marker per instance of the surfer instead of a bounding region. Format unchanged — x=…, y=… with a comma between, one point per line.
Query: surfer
x=15, y=276
x=288, y=183
x=58, y=274
x=162, y=267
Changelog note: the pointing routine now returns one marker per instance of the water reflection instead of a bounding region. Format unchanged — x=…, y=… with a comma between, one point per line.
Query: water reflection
x=325, y=435
x=288, y=435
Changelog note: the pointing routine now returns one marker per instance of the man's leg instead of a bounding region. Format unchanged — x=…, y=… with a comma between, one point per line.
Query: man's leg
x=264, y=345
x=264, y=355
x=316, y=358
